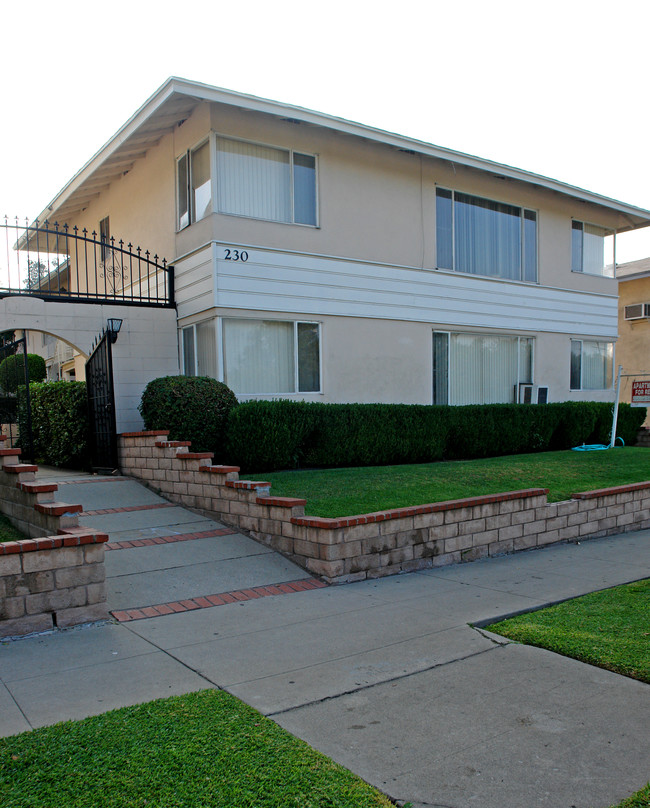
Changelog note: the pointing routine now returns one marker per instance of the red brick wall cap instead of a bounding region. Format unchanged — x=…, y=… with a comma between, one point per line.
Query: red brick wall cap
x=50, y=543
x=57, y=508
x=414, y=510
x=19, y=468
x=144, y=434
x=609, y=492
x=247, y=484
x=281, y=502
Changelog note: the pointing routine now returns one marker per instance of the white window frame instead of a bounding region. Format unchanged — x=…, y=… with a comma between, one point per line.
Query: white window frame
x=214, y=179
x=582, y=388
x=450, y=334
x=195, y=342
x=222, y=356
x=191, y=213
x=522, y=218
x=607, y=232
x=290, y=152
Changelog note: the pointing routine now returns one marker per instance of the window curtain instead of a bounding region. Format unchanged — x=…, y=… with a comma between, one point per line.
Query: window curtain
x=253, y=180
x=206, y=349
x=487, y=237
x=485, y=369
x=259, y=356
x=597, y=365
x=593, y=249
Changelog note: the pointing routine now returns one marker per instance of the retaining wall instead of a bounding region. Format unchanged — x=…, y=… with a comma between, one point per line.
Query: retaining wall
x=47, y=581
x=378, y=544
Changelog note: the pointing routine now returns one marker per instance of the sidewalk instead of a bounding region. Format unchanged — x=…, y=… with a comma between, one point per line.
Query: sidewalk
x=385, y=676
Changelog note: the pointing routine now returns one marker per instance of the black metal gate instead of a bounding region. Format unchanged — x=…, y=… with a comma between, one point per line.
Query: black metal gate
x=15, y=406
x=101, y=407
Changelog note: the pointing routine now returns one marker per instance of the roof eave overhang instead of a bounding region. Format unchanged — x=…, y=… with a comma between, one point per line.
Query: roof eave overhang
x=196, y=93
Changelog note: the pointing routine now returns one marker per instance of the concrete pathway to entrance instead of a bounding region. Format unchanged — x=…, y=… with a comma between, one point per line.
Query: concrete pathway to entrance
x=387, y=677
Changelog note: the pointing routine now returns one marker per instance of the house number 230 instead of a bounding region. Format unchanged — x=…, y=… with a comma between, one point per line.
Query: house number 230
x=235, y=255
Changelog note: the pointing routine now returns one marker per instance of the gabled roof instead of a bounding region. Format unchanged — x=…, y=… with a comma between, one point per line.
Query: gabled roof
x=174, y=101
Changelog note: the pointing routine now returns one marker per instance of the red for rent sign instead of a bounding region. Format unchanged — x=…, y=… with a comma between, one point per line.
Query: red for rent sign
x=640, y=394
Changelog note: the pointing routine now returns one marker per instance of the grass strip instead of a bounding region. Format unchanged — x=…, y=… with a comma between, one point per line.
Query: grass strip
x=205, y=749
x=350, y=491
x=608, y=628
x=8, y=532
x=639, y=800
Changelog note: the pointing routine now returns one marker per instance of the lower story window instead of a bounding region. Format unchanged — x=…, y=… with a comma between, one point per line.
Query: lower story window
x=199, y=349
x=269, y=357
x=480, y=368
x=591, y=365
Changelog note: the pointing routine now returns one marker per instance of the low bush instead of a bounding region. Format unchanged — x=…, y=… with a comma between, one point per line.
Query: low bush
x=192, y=408
x=59, y=422
x=12, y=371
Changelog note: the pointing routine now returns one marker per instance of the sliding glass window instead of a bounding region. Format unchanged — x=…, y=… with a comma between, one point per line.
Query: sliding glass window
x=591, y=365
x=270, y=357
x=264, y=182
x=483, y=237
x=480, y=368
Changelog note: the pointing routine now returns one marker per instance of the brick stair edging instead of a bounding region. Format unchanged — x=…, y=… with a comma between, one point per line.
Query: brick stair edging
x=56, y=578
x=373, y=545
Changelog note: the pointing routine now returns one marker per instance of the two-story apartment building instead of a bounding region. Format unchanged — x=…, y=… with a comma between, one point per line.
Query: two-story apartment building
x=321, y=259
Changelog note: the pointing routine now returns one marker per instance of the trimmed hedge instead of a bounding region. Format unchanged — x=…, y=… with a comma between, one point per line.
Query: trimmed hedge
x=192, y=408
x=12, y=371
x=59, y=422
x=270, y=435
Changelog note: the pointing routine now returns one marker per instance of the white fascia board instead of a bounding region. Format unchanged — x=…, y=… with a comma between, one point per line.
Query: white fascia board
x=206, y=92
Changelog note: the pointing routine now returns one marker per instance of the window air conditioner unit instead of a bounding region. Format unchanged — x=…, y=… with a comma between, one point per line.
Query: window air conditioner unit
x=532, y=394
x=637, y=311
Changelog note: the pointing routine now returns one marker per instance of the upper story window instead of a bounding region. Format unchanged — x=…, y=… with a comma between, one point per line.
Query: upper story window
x=592, y=249
x=264, y=182
x=105, y=237
x=483, y=237
x=194, y=185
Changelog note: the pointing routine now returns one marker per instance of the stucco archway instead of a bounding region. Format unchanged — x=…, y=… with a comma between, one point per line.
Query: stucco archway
x=146, y=347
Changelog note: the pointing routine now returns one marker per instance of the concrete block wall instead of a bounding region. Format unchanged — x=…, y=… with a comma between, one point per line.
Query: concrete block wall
x=57, y=577
x=384, y=543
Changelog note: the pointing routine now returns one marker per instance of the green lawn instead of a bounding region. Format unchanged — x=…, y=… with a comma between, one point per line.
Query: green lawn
x=607, y=628
x=350, y=491
x=202, y=750
x=8, y=532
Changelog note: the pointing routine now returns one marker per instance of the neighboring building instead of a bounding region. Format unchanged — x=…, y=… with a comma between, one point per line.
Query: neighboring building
x=633, y=347
x=324, y=260
x=62, y=361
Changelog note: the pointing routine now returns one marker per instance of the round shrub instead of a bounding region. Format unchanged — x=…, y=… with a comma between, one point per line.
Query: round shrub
x=12, y=371
x=193, y=408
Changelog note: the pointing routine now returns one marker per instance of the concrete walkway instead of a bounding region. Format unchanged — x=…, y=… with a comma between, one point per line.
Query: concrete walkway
x=386, y=676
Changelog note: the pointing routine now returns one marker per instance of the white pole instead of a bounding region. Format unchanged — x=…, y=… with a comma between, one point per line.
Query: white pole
x=612, y=440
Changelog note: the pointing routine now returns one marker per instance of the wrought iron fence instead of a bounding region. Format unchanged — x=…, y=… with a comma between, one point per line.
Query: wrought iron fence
x=58, y=262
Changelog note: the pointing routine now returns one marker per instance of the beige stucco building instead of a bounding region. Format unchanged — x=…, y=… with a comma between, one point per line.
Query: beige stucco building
x=323, y=260
x=633, y=346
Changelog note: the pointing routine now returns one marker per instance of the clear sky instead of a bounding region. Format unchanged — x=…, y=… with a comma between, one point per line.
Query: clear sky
x=557, y=88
